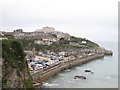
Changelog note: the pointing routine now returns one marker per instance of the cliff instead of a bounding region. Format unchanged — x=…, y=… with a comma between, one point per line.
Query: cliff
x=15, y=72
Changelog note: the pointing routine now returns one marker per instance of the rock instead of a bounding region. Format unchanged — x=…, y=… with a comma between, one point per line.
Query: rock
x=80, y=77
x=89, y=71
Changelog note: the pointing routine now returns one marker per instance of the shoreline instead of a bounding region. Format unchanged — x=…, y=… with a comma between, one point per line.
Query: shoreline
x=42, y=75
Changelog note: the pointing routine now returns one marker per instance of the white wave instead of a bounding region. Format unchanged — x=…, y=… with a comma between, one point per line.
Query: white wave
x=109, y=77
x=49, y=85
x=112, y=76
x=70, y=81
x=67, y=70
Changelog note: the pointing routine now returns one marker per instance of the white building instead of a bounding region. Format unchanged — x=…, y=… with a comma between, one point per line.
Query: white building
x=43, y=42
x=83, y=42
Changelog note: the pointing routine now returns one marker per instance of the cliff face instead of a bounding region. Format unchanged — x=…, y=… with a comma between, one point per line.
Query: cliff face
x=15, y=72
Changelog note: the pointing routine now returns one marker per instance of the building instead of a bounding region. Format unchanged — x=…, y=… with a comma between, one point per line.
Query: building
x=74, y=44
x=18, y=34
x=8, y=34
x=43, y=42
x=84, y=42
x=46, y=30
x=59, y=35
x=44, y=33
x=18, y=31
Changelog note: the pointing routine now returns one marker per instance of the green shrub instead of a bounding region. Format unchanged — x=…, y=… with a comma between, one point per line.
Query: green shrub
x=12, y=52
x=28, y=84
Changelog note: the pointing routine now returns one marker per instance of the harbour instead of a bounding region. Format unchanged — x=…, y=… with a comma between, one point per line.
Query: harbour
x=105, y=73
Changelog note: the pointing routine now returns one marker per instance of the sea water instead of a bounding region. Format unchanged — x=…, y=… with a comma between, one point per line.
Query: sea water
x=105, y=73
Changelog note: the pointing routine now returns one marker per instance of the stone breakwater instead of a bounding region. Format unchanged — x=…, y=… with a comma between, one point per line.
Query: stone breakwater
x=43, y=74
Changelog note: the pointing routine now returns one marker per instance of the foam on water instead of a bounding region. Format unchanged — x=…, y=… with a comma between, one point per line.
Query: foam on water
x=49, y=84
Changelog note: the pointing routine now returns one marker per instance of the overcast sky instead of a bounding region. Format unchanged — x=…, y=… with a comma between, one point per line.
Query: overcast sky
x=96, y=20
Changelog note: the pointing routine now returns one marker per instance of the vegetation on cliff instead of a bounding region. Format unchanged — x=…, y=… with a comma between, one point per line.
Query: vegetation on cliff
x=61, y=44
x=14, y=69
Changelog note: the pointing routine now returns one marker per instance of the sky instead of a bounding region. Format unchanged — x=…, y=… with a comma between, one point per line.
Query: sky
x=96, y=20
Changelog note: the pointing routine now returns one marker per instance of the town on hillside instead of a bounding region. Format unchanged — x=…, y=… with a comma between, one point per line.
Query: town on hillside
x=47, y=47
x=46, y=34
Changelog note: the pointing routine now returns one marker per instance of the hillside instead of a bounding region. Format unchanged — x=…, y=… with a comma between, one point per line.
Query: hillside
x=62, y=44
x=15, y=72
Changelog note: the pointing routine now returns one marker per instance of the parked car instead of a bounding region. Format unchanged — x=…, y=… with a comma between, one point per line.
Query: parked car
x=60, y=58
x=40, y=62
x=38, y=66
x=53, y=58
x=45, y=61
x=47, y=65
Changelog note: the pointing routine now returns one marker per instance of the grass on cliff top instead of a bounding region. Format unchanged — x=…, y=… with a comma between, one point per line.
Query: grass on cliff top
x=12, y=52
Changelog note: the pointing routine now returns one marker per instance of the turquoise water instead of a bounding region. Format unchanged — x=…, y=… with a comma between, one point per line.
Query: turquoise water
x=105, y=73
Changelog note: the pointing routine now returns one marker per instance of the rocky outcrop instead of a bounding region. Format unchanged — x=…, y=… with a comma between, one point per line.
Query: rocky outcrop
x=15, y=72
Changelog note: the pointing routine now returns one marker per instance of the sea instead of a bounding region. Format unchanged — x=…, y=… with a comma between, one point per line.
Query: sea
x=105, y=72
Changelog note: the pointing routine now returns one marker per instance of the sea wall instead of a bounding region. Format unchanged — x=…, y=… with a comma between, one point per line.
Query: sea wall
x=43, y=75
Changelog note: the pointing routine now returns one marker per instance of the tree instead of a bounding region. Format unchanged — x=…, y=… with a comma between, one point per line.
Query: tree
x=55, y=36
x=61, y=39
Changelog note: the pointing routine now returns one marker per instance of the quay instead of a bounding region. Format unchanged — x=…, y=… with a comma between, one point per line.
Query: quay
x=42, y=75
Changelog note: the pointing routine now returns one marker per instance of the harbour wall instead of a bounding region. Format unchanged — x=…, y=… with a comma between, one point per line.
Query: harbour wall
x=42, y=75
